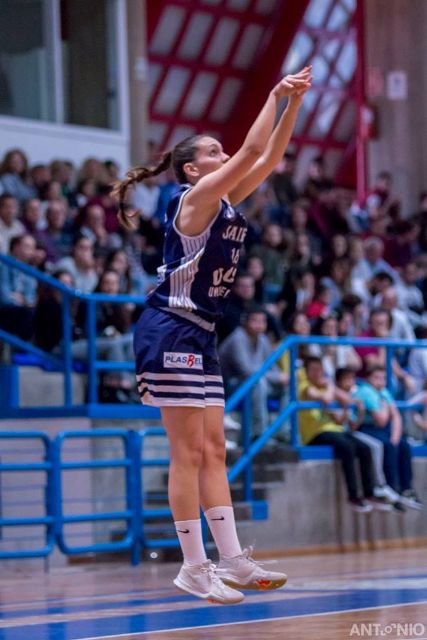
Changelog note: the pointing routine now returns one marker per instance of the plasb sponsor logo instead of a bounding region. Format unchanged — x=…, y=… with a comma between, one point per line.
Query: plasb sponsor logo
x=173, y=360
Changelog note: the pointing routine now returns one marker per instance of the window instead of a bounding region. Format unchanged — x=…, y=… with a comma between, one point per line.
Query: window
x=59, y=61
x=25, y=60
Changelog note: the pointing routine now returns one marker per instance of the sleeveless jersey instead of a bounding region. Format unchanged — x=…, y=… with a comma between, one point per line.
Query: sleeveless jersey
x=198, y=271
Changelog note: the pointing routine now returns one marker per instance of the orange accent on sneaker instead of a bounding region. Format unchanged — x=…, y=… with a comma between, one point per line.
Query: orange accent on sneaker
x=263, y=584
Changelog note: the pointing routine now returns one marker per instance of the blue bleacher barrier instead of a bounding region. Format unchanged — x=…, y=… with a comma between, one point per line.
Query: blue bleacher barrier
x=45, y=466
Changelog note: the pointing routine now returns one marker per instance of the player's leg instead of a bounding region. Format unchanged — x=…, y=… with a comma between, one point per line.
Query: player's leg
x=184, y=426
x=236, y=567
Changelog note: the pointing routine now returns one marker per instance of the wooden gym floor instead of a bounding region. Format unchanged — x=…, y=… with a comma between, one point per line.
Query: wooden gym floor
x=330, y=597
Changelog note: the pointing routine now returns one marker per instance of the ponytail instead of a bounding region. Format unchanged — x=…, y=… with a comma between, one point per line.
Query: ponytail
x=133, y=176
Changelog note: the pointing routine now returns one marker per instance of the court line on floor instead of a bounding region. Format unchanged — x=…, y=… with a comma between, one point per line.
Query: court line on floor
x=230, y=624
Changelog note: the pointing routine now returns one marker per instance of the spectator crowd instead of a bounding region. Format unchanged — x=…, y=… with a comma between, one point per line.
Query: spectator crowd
x=315, y=263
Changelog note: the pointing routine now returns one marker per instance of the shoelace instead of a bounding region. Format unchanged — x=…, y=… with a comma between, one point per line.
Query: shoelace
x=210, y=569
x=247, y=554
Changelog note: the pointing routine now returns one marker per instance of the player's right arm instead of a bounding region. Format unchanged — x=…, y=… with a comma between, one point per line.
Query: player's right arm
x=201, y=204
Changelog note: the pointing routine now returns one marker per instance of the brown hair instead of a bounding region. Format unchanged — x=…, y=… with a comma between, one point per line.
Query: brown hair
x=182, y=153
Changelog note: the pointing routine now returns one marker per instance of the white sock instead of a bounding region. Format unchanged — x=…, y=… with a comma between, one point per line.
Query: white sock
x=223, y=528
x=190, y=538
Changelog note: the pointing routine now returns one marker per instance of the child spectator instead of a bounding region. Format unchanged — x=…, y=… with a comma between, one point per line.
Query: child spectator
x=345, y=381
x=317, y=427
x=384, y=422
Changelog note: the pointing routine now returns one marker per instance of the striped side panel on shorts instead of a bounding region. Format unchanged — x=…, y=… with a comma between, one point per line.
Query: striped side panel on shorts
x=172, y=388
x=214, y=390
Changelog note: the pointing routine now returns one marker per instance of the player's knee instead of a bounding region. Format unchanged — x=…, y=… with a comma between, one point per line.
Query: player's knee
x=214, y=450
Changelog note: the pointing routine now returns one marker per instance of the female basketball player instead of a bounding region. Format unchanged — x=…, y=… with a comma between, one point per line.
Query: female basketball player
x=176, y=360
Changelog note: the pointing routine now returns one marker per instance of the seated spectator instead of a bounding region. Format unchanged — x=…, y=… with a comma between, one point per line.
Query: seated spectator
x=242, y=297
x=48, y=323
x=18, y=290
x=337, y=250
x=345, y=381
x=113, y=340
x=321, y=305
x=338, y=280
x=380, y=322
x=40, y=177
x=241, y=354
x=32, y=217
x=400, y=244
x=81, y=265
x=409, y=295
x=85, y=192
x=384, y=422
x=93, y=169
x=299, y=217
x=283, y=181
x=374, y=261
x=272, y=255
x=132, y=281
x=333, y=356
x=317, y=427
x=296, y=295
x=14, y=176
x=359, y=268
x=63, y=173
x=93, y=227
x=417, y=362
x=380, y=201
x=401, y=328
x=370, y=290
x=56, y=238
x=359, y=312
x=145, y=197
x=317, y=182
x=298, y=325
x=10, y=226
x=255, y=268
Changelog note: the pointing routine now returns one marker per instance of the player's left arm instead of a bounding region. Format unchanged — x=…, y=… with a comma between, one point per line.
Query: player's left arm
x=274, y=150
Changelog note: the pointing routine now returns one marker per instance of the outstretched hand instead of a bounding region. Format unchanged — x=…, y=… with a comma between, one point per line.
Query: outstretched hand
x=294, y=84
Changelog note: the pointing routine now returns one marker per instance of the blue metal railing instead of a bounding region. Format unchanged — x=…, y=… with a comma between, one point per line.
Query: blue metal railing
x=64, y=363
x=45, y=466
x=291, y=344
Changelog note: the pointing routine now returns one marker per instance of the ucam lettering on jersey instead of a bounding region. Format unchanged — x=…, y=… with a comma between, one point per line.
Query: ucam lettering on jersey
x=173, y=360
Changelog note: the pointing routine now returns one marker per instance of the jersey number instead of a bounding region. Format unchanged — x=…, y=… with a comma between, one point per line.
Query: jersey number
x=219, y=275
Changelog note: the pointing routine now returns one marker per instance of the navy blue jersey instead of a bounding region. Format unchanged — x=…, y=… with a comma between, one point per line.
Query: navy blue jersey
x=198, y=271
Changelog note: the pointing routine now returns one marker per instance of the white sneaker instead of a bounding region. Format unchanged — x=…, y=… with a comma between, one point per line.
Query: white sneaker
x=201, y=580
x=386, y=492
x=243, y=572
x=231, y=424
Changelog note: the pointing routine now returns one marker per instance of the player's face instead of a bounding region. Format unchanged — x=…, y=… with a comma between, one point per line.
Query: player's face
x=210, y=156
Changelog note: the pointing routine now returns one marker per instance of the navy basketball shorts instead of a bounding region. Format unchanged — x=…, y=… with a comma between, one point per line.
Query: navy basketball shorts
x=176, y=362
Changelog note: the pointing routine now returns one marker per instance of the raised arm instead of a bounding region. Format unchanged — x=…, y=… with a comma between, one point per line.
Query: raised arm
x=275, y=147
x=201, y=204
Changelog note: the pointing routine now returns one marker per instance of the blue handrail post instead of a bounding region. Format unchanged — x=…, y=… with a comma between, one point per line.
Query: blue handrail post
x=134, y=493
x=389, y=366
x=246, y=442
x=91, y=352
x=68, y=359
x=293, y=391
